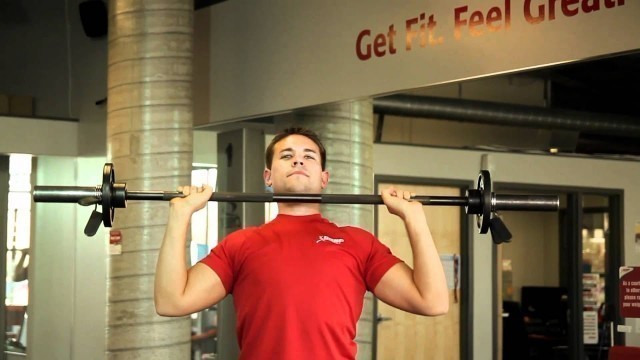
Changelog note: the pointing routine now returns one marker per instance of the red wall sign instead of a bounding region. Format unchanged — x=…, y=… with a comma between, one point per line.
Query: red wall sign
x=115, y=237
x=629, y=284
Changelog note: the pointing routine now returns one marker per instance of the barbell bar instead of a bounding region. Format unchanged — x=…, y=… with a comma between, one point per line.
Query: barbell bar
x=480, y=201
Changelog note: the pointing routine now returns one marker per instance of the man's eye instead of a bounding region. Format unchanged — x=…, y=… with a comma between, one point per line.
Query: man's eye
x=309, y=157
x=286, y=156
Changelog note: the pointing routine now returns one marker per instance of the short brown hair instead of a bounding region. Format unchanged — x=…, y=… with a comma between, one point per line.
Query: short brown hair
x=295, y=131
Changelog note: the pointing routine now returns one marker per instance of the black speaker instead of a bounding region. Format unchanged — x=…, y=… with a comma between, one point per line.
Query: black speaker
x=93, y=14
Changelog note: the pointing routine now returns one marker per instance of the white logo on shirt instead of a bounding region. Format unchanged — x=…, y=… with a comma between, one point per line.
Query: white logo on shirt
x=326, y=238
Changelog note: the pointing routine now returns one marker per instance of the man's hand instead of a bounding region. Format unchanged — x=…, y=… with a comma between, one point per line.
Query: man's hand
x=196, y=198
x=398, y=202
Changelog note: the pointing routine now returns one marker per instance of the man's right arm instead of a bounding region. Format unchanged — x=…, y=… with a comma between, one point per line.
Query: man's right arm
x=178, y=290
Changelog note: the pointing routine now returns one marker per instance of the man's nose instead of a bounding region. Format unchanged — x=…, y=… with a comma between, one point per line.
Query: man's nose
x=297, y=162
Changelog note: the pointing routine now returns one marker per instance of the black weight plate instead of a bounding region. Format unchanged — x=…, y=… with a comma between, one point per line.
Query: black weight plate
x=108, y=178
x=484, y=186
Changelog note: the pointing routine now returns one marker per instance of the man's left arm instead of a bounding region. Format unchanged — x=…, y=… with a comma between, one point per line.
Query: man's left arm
x=423, y=289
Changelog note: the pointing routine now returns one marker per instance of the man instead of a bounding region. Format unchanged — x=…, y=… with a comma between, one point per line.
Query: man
x=299, y=281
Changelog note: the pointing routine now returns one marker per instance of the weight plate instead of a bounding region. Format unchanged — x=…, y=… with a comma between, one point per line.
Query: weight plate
x=484, y=186
x=108, y=178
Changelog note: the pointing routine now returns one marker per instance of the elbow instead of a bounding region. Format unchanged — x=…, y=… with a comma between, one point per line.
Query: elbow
x=441, y=309
x=167, y=309
x=435, y=307
x=162, y=310
x=434, y=310
x=168, y=312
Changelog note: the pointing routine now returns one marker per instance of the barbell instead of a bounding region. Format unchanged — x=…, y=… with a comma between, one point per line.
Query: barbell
x=480, y=201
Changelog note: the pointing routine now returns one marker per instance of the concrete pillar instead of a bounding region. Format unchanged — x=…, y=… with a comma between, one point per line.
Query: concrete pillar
x=346, y=130
x=240, y=166
x=149, y=140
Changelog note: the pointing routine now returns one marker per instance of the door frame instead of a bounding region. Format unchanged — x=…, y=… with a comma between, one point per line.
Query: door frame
x=466, y=256
x=614, y=250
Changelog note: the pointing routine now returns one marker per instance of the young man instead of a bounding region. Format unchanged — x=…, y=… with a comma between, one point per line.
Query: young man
x=298, y=281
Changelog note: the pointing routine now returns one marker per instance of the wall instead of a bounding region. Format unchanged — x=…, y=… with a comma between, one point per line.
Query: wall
x=68, y=270
x=47, y=55
x=35, y=55
x=533, y=250
x=38, y=136
x=205, y=147
x=519, y=169
x=201, y=79
x=52, y=269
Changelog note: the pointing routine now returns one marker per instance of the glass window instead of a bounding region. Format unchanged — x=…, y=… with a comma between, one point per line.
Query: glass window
x=17, y=250
x=18, y=230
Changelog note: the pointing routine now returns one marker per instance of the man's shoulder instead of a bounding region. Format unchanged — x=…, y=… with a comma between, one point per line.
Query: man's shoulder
x=357, y=232
x=242, y=234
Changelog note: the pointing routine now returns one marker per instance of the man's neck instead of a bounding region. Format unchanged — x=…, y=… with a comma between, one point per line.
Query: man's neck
x=298, y=209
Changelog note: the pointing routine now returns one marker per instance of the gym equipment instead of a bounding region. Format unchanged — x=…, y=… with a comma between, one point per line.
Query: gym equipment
x=480, y=201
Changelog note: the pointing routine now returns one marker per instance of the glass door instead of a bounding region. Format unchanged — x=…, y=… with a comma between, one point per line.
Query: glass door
x=600, y=261
x=591, y=230
x=559, y=277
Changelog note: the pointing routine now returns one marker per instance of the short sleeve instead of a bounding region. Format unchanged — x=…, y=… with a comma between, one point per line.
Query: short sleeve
x=379, y=261
x=379, y=258
x=222, y=257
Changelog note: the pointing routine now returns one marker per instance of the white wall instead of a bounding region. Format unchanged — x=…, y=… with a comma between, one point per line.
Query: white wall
x=90, y=275
x=67, y=304
x=520, y=169
x=205, y=145
x=38, y=136
x=52, y=269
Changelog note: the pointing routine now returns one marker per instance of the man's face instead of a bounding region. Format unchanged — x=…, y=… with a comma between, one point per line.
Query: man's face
x=296, y=167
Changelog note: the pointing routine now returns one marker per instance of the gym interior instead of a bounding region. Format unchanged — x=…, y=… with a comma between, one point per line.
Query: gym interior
x=77, y=95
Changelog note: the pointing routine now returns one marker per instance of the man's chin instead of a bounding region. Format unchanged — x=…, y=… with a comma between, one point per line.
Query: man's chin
x=301, y=190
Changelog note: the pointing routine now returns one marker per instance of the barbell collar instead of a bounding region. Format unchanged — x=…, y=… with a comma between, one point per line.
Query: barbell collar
x=524, y=202
x=66, y=194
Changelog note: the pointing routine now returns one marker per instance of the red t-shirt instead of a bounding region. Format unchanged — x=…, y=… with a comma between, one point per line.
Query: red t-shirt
x=298, y=284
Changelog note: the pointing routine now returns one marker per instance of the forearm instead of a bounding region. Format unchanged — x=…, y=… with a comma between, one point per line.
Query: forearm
x=171, y=268
x=428, y=273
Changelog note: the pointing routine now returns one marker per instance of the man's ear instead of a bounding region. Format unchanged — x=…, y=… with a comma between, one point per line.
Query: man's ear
x=267, y=177
x=325, y=179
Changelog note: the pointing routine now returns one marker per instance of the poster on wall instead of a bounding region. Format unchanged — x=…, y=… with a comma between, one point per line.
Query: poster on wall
x=590, y=325
x=629, y=284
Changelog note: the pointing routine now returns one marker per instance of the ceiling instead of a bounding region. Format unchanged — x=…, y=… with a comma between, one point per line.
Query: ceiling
x=590, y=108
x=604, y=86
x=609, y=85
